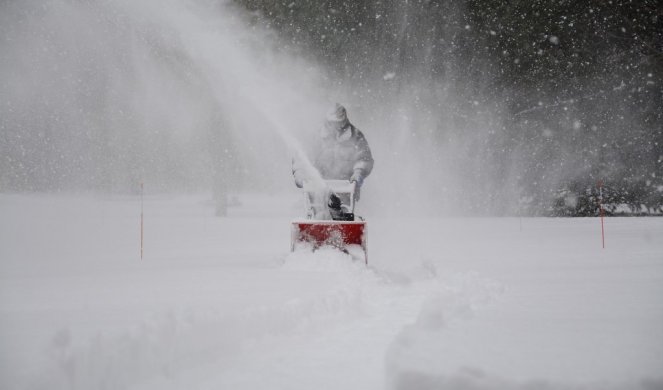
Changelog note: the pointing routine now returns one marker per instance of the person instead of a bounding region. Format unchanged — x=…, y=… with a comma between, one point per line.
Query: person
x=341, y=153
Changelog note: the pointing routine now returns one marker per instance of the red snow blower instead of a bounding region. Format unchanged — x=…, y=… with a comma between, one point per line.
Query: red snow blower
x=330, y=220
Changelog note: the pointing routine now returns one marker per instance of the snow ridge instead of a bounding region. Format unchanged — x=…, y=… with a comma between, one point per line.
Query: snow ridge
x=166, y=349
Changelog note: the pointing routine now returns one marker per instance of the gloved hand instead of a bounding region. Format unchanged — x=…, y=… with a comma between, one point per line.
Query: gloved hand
x=358, y=177
x=299, y=183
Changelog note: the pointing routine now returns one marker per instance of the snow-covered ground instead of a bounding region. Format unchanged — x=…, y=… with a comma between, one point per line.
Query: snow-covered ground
x=475, y=303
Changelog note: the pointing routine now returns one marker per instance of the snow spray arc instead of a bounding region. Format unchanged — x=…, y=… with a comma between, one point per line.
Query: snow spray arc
x=163, y=91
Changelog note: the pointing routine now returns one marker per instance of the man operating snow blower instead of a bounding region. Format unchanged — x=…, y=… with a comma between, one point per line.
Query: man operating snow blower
x=343, y=160
x=342, y=152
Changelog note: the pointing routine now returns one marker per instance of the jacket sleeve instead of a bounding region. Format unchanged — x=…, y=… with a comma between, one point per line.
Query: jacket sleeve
x=364, y=160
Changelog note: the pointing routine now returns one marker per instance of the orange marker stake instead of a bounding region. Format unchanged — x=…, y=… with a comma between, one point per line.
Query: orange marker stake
x=600, y=184
x=141, y=220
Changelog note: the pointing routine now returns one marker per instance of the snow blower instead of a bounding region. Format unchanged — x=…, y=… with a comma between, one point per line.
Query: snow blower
x=330, y=219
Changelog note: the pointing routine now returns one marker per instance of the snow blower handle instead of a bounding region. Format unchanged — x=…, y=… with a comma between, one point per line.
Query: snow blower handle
x=317, y=196
x=353, y=195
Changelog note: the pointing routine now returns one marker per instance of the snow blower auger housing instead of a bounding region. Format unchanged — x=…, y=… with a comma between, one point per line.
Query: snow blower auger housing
x=330, y=219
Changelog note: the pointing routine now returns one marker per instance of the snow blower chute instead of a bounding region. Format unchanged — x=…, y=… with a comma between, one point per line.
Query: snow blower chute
x=330, y=219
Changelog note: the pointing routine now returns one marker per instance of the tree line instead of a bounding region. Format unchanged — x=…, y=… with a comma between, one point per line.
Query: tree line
x=564, y=93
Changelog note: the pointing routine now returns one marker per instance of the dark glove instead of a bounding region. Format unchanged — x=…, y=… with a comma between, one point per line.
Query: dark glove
x=334, y=202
